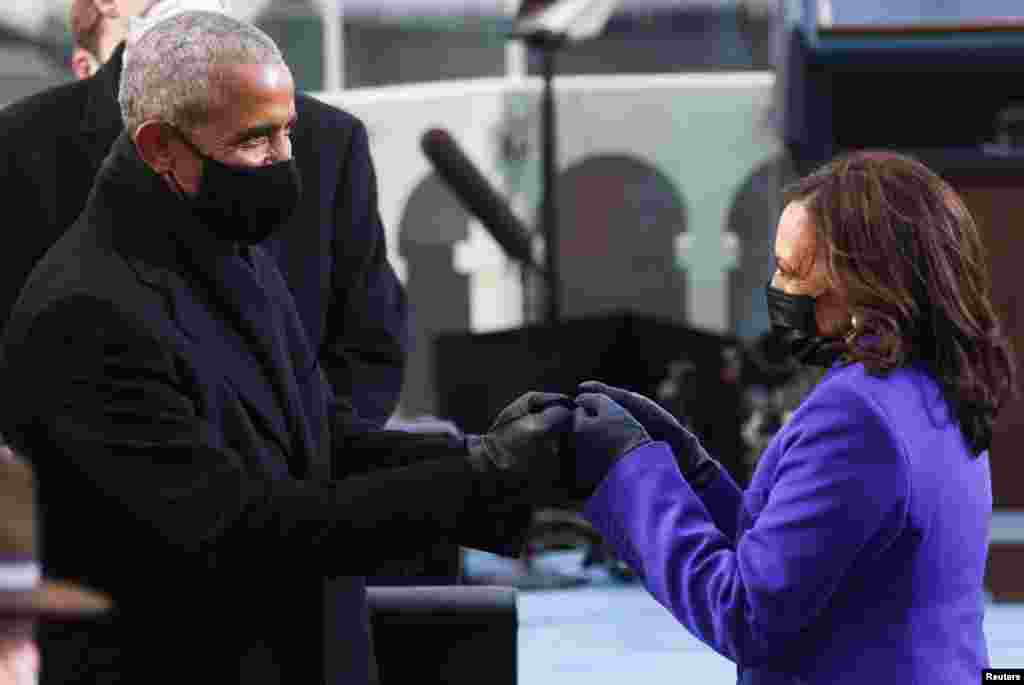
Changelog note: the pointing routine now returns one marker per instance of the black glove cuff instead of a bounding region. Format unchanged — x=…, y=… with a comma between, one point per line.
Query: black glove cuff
x=700, y=475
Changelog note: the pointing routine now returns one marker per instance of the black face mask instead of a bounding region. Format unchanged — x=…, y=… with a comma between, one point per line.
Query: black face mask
x=793, y=319
x=245, y=204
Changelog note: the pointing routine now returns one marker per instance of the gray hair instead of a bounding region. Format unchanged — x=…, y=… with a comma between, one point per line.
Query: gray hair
x=175, y=70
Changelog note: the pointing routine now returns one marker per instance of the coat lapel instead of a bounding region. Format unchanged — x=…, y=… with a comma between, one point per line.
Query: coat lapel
x=306, y=379
x=216, y=299
x=224, y=351
x=234, y=286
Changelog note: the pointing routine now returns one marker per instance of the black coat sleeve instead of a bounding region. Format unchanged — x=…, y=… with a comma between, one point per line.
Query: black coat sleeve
x=96, y=386
x=365, y=343
x=505, y=513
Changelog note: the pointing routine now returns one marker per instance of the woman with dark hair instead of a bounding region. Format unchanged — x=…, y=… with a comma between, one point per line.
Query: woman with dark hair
x=857, y=554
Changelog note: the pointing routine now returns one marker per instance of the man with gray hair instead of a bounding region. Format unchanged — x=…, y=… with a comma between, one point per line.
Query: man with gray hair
x=192, y=459
x=97, y=28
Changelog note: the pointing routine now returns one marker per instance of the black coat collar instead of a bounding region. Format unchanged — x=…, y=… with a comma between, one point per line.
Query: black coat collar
x=218, y=299
x=151, y=224
x=101, y=119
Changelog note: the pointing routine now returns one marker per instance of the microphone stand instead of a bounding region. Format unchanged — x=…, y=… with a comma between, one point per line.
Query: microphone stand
x=550, y=25
x=548, y=46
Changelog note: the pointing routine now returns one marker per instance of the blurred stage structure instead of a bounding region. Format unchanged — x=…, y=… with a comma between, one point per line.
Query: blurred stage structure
x=332, y=44
x=668, y=199
x=478, y=373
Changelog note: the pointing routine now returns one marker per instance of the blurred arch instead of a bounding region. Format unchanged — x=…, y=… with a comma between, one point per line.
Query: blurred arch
x=432, y=224
x=619, y=219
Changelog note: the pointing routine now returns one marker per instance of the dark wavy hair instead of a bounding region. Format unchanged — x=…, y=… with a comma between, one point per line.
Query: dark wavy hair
x=904, y=250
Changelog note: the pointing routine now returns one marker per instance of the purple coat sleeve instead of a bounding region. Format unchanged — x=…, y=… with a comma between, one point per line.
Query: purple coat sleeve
x=723, y=499
x=839, y=494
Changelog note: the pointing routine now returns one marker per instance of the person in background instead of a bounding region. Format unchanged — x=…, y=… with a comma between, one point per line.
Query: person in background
x=26, y=597
x=857, y=553
x=97, y=28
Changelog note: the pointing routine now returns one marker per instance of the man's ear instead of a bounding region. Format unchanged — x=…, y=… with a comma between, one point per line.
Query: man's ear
x=153, y=141
x=83, y=64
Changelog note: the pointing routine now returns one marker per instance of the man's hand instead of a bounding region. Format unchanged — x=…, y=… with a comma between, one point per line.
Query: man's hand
x=525, y=438
x=694, y=462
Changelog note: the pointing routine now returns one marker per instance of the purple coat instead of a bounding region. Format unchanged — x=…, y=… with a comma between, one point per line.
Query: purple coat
x=855, y=556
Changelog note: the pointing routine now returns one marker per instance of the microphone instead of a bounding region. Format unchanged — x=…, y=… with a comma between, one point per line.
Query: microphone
x=477, y=195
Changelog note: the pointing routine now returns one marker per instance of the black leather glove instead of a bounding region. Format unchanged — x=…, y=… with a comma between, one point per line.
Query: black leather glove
x=694, y=463
x=603, y=432
x=525, y=439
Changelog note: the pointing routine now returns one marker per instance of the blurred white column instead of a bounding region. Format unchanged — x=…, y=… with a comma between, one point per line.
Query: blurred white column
x=332, y=14
x=708, y=265
x=515, y=50
x=495, y=286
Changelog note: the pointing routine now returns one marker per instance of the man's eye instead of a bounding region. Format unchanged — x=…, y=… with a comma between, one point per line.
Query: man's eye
x=253, y=143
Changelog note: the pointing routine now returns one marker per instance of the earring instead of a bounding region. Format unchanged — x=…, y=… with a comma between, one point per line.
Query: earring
x=854, y=326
